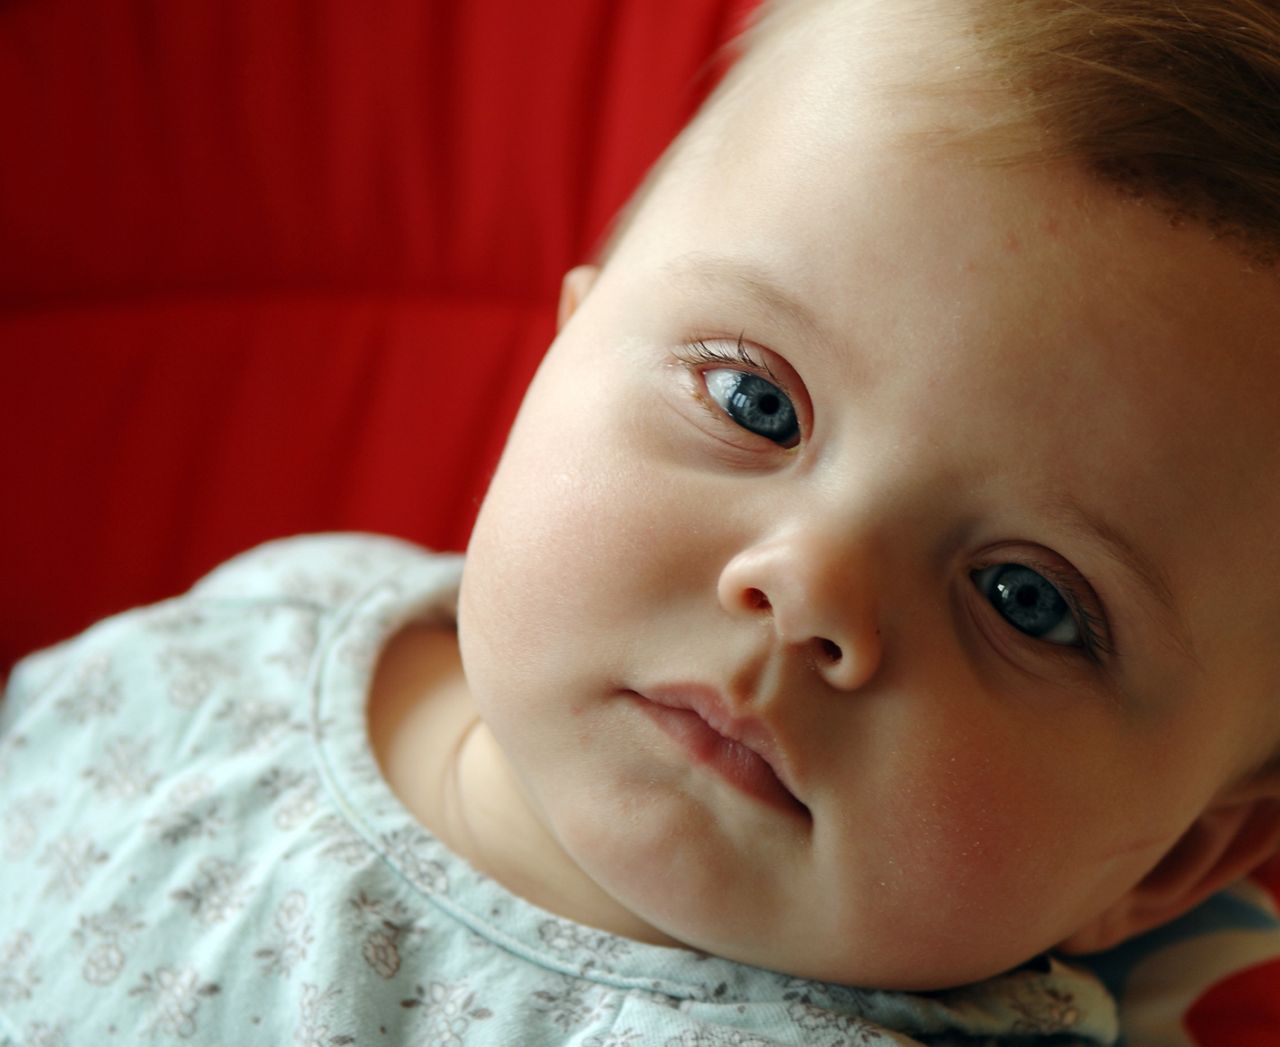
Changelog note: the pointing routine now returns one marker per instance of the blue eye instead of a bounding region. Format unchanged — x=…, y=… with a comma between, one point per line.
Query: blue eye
x=1030, y=603
x=757, y=405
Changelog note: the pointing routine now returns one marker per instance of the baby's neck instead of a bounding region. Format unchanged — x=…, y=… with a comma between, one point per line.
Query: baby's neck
x=444, y=764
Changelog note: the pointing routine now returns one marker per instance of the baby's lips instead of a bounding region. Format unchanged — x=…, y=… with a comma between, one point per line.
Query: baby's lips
x=747, y=733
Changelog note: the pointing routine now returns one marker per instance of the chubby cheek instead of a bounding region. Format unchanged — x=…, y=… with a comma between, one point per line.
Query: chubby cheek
x=972, y=838
x=563, y=537
x=952, y=819
x=579, y=538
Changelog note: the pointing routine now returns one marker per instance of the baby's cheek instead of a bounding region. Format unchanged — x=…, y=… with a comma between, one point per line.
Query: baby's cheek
x=973, y=838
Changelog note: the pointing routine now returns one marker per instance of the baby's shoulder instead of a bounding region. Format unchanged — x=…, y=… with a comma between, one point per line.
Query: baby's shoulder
x=240, y=605
x=322, y=569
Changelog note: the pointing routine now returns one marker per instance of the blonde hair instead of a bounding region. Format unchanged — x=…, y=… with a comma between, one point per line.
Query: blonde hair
x=1174, y=102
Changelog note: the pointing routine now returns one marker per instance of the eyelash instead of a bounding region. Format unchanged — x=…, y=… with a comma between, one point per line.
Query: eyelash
x=1095, y=641
x=701, y=355
x=1095, y=638
x=699, y=352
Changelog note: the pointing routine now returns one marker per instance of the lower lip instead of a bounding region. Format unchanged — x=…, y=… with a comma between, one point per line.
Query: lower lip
x=738, y=765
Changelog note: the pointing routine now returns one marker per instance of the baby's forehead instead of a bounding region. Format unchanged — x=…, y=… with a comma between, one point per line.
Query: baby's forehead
x=814, y=68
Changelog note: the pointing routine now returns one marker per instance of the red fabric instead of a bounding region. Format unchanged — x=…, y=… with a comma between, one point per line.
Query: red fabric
x=1240, y=1011
x=1268, y=877
x=206, y=146
x=280, y=267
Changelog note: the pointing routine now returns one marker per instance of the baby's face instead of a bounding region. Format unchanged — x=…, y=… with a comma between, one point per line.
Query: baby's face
x=949, y=491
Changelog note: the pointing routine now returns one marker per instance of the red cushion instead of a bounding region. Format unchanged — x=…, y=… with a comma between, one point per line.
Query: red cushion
x=268, y=268
x=1240, y=1011
x=152, y=441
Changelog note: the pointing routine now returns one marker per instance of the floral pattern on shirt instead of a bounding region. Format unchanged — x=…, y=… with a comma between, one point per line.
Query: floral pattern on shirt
x=171, y=998
x=103, y=937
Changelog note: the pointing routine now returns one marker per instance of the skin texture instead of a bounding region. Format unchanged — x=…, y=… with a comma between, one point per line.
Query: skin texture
x=969, y=351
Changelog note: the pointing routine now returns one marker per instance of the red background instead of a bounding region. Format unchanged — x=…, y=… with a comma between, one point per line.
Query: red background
x=270, y=267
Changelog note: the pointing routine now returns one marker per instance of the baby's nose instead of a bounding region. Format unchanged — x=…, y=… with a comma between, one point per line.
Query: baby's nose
x=822, y=604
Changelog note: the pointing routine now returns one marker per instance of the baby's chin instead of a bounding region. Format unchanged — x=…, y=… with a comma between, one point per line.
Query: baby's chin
x=668, y=893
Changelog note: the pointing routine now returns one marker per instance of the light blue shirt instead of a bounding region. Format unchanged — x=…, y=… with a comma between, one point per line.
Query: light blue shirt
x=196, y=845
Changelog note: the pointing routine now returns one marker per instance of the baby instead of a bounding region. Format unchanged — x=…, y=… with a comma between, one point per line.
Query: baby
x=878, y=589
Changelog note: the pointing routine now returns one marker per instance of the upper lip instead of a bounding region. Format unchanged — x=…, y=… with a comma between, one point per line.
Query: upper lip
x=712, y=707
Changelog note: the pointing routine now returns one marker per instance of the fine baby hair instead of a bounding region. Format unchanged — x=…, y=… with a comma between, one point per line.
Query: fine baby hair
x=1174, y=103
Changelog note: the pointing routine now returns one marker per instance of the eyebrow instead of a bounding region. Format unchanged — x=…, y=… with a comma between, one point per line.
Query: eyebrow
x=757, y=283
x=1141, y=569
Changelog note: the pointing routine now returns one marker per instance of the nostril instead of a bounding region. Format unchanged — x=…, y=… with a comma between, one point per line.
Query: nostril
x=831, y=650
x=756, y=600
